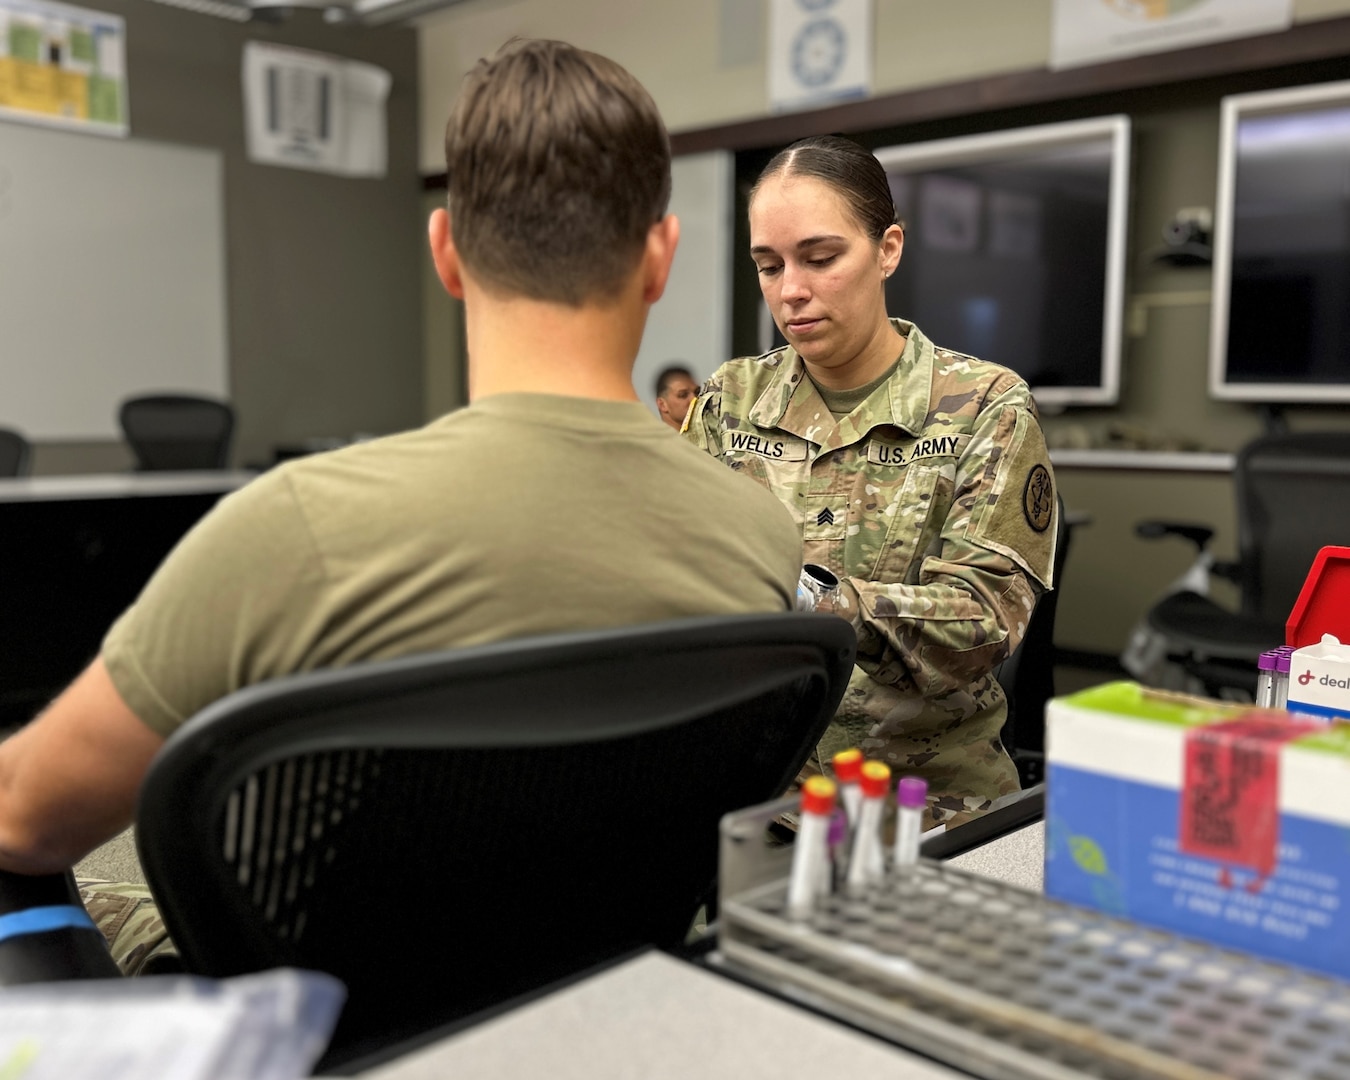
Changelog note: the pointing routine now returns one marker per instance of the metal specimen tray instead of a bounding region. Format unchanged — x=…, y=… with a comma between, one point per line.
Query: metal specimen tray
x=1010, y=985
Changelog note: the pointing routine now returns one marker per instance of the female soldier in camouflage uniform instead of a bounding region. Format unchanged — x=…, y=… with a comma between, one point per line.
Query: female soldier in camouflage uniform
x=918, y=475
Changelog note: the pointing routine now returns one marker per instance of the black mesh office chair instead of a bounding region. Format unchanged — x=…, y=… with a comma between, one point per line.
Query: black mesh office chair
x=445, y=832
x=1293, y=498
x=15, y=453
x=176, y=431
x=1028, y=675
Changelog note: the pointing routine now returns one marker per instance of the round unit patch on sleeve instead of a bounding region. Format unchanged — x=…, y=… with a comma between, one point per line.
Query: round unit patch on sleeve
x=1038, y=498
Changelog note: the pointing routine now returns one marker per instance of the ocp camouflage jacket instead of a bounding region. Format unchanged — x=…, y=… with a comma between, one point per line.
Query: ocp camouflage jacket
x=934, y=500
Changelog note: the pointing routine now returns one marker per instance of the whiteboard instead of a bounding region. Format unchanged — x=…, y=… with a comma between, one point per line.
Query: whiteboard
x=691, y=324
x=112, y=278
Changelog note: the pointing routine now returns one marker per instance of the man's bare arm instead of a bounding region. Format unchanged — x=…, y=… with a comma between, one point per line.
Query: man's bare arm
x=69, y=780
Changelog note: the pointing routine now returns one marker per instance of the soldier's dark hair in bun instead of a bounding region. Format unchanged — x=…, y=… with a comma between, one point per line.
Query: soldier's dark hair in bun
x=848, y=168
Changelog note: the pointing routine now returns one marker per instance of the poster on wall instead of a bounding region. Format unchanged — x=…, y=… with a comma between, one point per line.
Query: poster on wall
x=63, y=66
x=1095, y=31
x=309, y=110
x=820, y=51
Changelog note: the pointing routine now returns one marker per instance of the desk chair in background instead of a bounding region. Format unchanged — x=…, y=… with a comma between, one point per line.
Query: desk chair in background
x=1028, y=675
x=445, y=832
x=177, y=432
x=1293, y=498
x=15, y=454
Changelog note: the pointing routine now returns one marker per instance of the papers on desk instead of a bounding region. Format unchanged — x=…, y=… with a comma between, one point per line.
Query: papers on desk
x=271, y=1026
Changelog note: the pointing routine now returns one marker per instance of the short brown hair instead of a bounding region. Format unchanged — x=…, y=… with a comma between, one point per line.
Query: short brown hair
x=851, y=170
x=558, y=165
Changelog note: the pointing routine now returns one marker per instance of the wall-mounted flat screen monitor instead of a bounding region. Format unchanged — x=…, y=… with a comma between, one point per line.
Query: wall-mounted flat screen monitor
x=1015, y=250
x=1280, y=328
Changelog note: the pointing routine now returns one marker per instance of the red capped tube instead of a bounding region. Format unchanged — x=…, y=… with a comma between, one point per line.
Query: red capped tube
x=847, y=766
x=810, y=855
x=875, y=779
x=867, y=864
x=818, y=795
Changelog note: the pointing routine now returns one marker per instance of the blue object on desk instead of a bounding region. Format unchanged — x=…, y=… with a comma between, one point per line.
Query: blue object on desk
x=41, y=919
x=45, y=933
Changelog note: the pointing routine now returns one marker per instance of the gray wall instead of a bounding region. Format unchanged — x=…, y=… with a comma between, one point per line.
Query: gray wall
x=1164, y=379
x=1112, y=576
x=325, y=291
x=704, y=60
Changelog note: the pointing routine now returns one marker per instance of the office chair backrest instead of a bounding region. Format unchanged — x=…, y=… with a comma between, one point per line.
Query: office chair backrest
x=175, y=431
x=442, y=832
x=1293, y=498
x=1028, y=675
x=15, y=453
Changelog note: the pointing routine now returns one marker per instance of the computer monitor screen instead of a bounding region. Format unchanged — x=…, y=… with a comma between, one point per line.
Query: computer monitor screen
x=1281, y=314
x=1015, y=250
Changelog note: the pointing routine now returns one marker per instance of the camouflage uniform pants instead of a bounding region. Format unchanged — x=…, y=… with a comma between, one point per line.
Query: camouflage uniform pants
x=130, y=922
x=952, y=743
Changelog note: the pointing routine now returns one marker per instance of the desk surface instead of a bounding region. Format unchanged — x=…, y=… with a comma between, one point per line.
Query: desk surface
x=1157, y=460
x=1017, y=859
x=119, y=485
x=661, y=1019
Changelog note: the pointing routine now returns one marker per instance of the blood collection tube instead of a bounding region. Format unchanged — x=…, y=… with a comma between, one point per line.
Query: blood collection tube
x=837, y=846
x=847, y=768
x=809, y=855
x=866, y=865
x=911, y=796
x=1265, y=679
x=1283, y=657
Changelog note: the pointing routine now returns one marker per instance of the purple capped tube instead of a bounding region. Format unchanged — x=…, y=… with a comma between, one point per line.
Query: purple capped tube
x=1265, y=679
x=911, y=796
x=1284, y=655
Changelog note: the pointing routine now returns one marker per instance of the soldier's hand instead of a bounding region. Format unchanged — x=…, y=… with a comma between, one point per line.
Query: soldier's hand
x=844, y=602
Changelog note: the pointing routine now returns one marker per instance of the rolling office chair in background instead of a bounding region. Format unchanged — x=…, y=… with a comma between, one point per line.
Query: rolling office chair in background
x=445, y=832
x=175, y=431
x=16, y=457
x=1293, y=498
x=1028, y=675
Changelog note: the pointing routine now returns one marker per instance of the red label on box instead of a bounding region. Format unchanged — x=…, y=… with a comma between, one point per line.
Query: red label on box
x=1230, y=807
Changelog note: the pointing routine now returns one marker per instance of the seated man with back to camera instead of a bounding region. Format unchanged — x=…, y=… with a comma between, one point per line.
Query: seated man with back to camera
x=545, y=505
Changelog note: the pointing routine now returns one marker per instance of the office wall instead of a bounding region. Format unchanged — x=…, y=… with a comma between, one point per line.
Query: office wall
x=703, y=60
x=325, y=301
x=141, y=308
x=692, y=323
x=1112, y=576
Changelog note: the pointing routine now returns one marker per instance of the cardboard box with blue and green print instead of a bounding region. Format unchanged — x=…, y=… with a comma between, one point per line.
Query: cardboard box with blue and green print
x=1215, y=821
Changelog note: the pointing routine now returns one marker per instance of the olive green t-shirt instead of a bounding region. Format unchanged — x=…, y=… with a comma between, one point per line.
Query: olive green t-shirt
x=521, y=514
x=842, y=402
